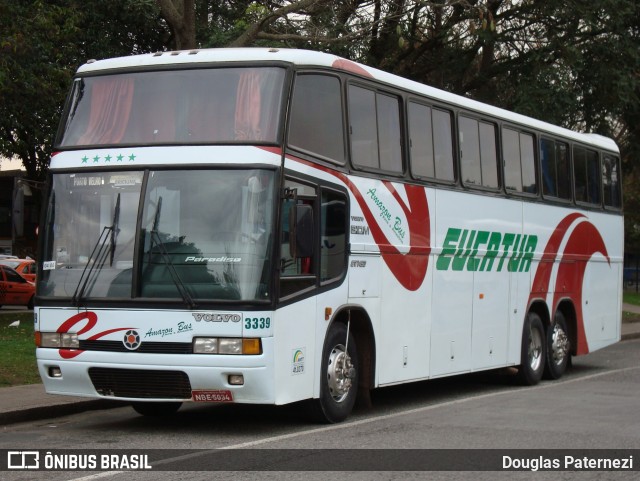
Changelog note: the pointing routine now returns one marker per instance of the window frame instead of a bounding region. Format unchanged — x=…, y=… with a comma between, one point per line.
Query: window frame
x=452, y=126
x=556, y=141
x=497, y=150
x=377, y=90
x=618, y=159
x=343, y=109
x=520, y=130
x=598, y=152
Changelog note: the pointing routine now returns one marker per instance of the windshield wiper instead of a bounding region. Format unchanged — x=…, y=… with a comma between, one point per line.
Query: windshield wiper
x=101, y=255
x=114, y=230
x=155, y=240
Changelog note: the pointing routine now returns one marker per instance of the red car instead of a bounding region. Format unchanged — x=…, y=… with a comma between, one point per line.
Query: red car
x=15, y=290
x=25, y=267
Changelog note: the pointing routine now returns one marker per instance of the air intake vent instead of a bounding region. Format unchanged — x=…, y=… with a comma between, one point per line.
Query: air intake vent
x=140, y=383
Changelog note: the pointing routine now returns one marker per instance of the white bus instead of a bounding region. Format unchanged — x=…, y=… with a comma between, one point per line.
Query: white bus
x=271, y=225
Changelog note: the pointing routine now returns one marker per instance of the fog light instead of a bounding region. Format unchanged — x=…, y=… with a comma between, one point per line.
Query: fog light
x=54, y=371
x=236, y=379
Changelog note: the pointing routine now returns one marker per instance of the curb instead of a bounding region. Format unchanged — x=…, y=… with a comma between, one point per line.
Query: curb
x=57, y=410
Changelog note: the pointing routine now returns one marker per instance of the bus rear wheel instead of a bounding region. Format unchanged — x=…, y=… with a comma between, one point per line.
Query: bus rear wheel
x=338, y=376
x=156, y=409
x=558, y=347
x=533, y=351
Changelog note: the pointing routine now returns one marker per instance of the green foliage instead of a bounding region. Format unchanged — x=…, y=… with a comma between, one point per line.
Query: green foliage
x=41, y=46
x=631, y=298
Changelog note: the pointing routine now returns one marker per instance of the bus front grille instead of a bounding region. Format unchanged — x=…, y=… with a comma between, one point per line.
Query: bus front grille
x=144, y=348
x=140, y=383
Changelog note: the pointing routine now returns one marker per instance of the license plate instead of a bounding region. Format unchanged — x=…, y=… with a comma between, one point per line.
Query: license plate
x=216, y=396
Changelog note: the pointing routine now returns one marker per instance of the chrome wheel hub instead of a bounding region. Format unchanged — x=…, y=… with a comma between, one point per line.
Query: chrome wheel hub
x=340, y=372
x=535, y=349
x=559, y=345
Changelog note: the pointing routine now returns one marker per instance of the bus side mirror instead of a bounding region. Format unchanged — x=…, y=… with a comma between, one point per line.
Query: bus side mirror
x=301, y=235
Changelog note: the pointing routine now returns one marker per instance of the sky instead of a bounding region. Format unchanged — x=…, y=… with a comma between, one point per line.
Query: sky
x=10, y=164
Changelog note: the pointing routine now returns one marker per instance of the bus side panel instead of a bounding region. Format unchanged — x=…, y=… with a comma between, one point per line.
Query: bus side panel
x=295, y=350
x=472, y=285
x=582, y=255
x=602, y=285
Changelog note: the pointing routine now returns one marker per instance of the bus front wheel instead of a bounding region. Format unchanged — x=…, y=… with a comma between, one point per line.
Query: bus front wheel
x=338, y=376
x=533, y=351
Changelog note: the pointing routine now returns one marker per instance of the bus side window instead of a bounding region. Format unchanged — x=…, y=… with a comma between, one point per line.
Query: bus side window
x=316, y=124
x=333, y=235
x=296, y=273
x=519, y=161
x=374, y=123
x=478, y=161
x=611, y=181
x=587, y=177
x=430, y=142
x=556, y=173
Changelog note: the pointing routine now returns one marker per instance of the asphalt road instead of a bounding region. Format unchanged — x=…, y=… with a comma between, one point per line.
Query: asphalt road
x=595, y=406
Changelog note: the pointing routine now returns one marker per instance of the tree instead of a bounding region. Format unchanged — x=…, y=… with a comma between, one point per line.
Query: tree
x=41, y=46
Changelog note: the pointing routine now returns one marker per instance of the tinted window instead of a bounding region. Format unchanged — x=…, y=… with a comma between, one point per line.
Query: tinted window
x=478, y=153
x=333, y=235
x=175, y=106
x=443, y=145
x=511, y=153
x=421, y=140
x=364, y=138
x=389, y=136
x=556, y=173
x=519, y=161
x=375, y=130
x=587, y=175
x=611, y=181
x=316, y=124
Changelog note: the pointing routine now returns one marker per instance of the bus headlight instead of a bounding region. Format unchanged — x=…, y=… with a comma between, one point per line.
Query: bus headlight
x=227, y=345
x=57, y=340
x=230, y=346
x=205, y=345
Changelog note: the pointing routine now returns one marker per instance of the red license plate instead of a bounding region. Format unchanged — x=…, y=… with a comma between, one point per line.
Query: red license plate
x=216, y=396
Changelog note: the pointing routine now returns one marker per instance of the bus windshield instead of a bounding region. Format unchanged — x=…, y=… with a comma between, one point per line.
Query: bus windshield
x=197, y=106
x=204, y=235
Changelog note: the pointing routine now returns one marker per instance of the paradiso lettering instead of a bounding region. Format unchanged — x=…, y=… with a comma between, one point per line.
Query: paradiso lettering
x=509, y=251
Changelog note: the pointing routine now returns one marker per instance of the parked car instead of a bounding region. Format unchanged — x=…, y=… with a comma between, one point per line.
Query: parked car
x=15, y=290
x=25, y=267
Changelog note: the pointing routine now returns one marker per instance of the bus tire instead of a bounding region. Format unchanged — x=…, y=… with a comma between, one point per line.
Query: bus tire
x=533, y=351
x=156, y=409
x=558, y=348
x=338, y=376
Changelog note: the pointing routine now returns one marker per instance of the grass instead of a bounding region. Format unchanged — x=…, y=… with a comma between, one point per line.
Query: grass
x=631, y=298
x=17, y=350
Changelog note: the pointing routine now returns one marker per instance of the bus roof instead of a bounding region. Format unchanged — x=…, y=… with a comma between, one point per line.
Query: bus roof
x=319, y=59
